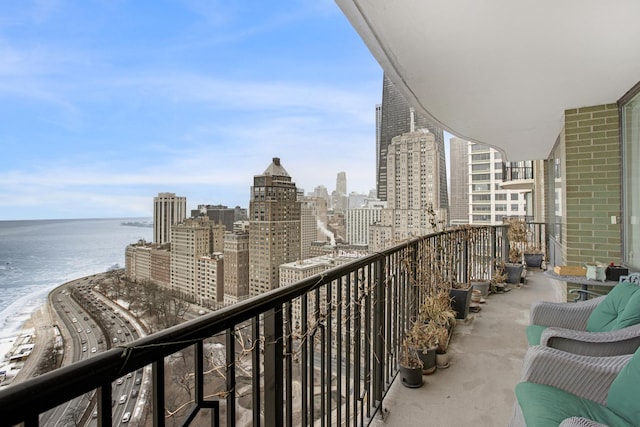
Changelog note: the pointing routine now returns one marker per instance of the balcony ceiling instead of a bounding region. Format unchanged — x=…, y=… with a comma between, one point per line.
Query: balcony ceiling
x=502, y=72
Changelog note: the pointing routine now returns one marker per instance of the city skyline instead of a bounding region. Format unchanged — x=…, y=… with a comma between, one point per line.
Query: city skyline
x=104, y=105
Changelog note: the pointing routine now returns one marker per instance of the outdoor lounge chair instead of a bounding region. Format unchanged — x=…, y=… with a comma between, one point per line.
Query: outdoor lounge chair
x=604, y=326
x=569, y=390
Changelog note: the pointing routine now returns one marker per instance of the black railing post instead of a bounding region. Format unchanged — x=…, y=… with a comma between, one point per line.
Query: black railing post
x=273, y=380
x=230, y=371
x=158, y=393
x=104, y=405
x=378, y=331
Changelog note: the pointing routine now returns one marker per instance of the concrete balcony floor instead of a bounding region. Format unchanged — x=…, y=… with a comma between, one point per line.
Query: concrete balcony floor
x=486, y=354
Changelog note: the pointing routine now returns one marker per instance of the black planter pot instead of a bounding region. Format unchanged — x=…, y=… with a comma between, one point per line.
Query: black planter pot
x=428, y=359
x=411, y=377
x=533, y=259
x=514, y=272
x=460, y=301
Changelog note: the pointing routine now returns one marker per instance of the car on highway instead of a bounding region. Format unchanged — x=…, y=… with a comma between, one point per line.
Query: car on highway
x=74, y=320
x=93, y=350
x=123, y=399
x=126, y=417
x=119, y=381
x=84, y=348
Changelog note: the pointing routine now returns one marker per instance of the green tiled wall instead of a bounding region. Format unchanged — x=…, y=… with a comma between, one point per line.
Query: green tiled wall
x=592, y=153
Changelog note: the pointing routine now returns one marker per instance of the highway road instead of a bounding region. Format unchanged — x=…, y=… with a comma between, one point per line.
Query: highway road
x=92, y=324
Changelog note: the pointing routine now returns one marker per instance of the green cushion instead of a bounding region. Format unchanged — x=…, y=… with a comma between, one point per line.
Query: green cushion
x=534, y=332
x=631, y=314
x=545, y=406
x=625, y=389
x=605, y=316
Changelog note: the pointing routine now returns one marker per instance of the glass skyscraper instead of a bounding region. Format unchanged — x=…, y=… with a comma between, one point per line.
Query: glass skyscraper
x=393, y=118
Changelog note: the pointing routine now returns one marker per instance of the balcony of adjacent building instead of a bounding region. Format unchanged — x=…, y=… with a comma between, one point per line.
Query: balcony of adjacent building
x=518, y=176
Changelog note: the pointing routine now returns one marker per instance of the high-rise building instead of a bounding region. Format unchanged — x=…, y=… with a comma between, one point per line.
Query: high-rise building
x=341, y=183
x=148, y=262
x=210, y=280
x=360, y=219
x=168, y=210
x=489, y=203
x=308, y=226
x=413, y=167
x=217, y=213
x=190, y=240
x=274, y=227
x=236, y=267
x=293, y=272
x=395, y=119
x=458, y=169
x=476, y=177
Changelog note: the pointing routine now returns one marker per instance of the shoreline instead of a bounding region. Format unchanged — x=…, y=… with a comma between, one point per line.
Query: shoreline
x=39, y=328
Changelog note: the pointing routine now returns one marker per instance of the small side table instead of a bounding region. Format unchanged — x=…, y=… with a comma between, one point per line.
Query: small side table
x=582, y=281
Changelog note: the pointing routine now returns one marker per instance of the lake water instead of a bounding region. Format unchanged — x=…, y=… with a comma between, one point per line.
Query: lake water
x=37, y=256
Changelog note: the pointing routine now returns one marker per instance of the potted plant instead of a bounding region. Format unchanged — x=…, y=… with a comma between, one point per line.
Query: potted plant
x=533, y=257
x=423, y=338
x=498, y=279
x=437, y=309
x=442, y=357
x=481, y=285
x=410, y=366
x=517, y=235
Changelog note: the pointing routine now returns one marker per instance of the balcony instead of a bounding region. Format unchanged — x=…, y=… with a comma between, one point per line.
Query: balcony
x=517, y=176
x=322, y=351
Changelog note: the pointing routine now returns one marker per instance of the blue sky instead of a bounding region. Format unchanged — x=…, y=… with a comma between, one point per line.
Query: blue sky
x=105, y=103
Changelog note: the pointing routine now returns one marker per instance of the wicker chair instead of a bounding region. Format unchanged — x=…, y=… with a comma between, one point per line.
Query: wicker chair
x=560, y=388
x=604, y=326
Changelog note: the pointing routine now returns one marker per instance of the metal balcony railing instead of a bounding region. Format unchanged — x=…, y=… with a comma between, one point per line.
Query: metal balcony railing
x=320, y=352
x=511, y=172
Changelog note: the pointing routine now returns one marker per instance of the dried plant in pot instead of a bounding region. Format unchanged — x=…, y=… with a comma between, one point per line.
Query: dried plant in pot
x=442, y=357
x=423, y=337
x=410, y=366
x=517, y=235
x=498, y=279
x=437, y=309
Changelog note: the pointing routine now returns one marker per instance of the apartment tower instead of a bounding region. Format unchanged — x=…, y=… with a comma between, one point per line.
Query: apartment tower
x=168, y=210
x=236, y=267
x=459, y=201
x=394, y=118
x=190, y=240
x=274, y=227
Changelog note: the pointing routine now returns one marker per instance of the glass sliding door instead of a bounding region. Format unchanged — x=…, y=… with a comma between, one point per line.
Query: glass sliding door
x=630, y=116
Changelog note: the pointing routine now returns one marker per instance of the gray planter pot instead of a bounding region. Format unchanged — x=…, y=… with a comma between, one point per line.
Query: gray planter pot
x=533, y=259
x=482, y=286
x=514, y=272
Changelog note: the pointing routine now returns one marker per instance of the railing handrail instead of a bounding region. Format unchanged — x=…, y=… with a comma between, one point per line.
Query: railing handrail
x=49, y=390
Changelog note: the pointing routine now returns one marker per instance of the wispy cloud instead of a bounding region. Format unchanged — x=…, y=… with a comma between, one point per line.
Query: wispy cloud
x=99, y=116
